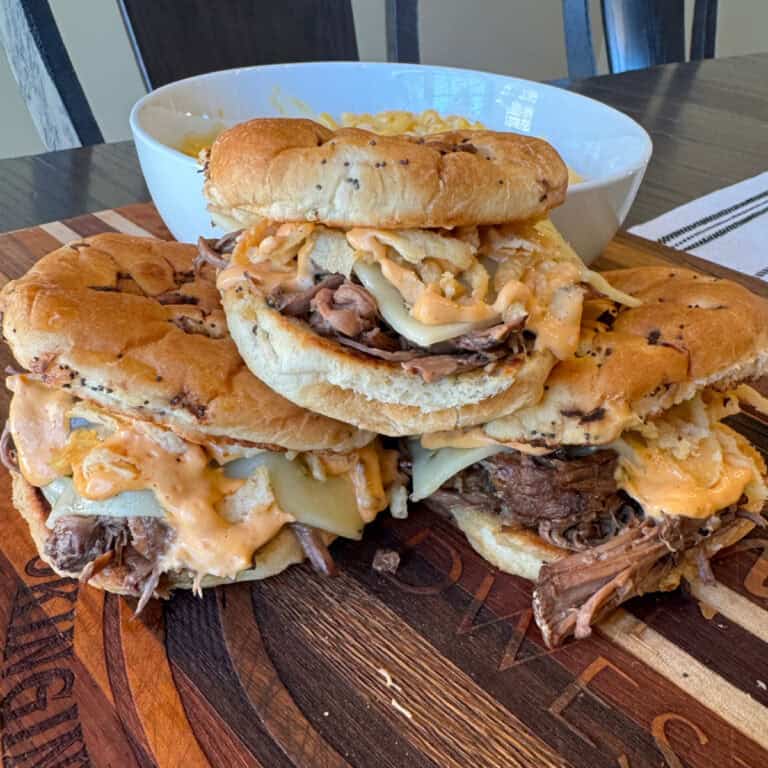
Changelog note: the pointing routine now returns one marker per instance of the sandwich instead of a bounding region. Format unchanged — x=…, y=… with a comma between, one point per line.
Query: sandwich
x=144, y=454
x=625, y=478
x=403, y=284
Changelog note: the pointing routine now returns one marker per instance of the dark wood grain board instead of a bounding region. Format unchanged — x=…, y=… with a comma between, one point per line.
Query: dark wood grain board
x=438, y=665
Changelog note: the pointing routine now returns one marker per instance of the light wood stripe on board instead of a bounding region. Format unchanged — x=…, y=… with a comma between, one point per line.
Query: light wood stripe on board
x=735, y=706
x=729, y=603
x=61, y=232
x=121, y=224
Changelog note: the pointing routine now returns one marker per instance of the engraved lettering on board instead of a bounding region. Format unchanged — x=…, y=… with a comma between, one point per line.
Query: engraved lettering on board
x=454, y=572
x=519, y=619
x=38, y=713
x=581, y=686
x=659, y=732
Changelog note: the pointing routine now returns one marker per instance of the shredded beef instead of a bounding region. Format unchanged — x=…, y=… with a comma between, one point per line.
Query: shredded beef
x=575, y=592
x=80, y=544
x=394, y=356
x=572, y=502
x=345, y=311
x=298, y=303
x=349, y=310
x=482, y=340
x=435, y=367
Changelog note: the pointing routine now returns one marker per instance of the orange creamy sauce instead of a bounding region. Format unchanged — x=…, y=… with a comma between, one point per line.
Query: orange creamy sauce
x=197, y=498
x=440, y=277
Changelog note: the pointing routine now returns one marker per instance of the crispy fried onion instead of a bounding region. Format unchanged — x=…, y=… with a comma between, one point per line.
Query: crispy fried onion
x=314, y=547
x=8, y=450
x=213, y=252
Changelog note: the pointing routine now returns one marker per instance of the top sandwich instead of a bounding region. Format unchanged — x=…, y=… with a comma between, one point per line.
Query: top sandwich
x=144, y=455
x=403, y=284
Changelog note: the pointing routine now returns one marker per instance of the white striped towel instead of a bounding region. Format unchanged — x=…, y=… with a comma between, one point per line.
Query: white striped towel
x=729, y=227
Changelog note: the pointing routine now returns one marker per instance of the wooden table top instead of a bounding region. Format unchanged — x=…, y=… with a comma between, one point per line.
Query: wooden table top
x=708, y=121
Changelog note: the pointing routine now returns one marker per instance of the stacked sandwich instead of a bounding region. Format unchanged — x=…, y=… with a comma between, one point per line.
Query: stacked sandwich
x=570, y=423
x=144, y=454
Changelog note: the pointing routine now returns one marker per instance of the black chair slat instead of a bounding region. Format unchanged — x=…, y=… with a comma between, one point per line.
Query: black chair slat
x=403, y=31
x=704, y=30
x=48, y=81
x=173, y=40
x=578, y=39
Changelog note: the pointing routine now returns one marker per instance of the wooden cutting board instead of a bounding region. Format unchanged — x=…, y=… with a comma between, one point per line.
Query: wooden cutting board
x=440, y=665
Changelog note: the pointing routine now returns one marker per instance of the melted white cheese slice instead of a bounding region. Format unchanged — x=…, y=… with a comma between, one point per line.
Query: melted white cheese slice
x=329, y=504
x=432, y=468
x=395, y=312
x=65, y=500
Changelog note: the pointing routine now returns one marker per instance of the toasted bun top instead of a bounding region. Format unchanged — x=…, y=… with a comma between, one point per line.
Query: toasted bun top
x=298, y=170
x=691, y=331
x=126, y=322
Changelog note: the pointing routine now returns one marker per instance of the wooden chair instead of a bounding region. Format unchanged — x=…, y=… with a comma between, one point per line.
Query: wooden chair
x=173, y=40
x=47, y=80
x=638, y=34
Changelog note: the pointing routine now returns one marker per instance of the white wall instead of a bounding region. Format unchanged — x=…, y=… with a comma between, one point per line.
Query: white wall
x=518, y=37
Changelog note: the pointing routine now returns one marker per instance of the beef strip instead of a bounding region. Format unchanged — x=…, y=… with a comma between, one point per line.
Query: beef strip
x=214, y=252
x=345, y=311
x=435, y=367
x=482, y=340
x=572, y=502
x=298, y=303
x=348, y=310
x=8, y=449
x=394, y=356
x=83, y=544
x=575, y=592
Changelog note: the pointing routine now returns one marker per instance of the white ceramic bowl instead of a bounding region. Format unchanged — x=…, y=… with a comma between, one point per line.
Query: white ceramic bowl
x=609, y=149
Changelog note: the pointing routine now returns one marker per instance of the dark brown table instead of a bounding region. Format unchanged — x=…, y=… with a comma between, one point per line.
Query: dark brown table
x=708, y=120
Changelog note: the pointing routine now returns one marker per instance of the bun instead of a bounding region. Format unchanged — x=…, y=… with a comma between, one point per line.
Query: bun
x=692, y=331
x=377, y=395
x=125, y=322
x=298, y=170
x=278, y=554
x=522, y=553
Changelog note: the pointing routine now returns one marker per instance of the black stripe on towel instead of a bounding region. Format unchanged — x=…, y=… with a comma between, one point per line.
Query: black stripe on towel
x=681, y=244
x=711, y=217
x=725, y=230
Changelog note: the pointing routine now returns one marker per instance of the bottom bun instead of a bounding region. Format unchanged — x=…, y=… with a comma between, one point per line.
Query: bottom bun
x=522, y=552
x=518, y=551
x=278, y=554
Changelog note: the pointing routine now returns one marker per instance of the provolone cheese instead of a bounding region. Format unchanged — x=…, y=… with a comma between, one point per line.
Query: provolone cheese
x=329, y=504
x=432, y=468
x=65, y=500
x=395, y=312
